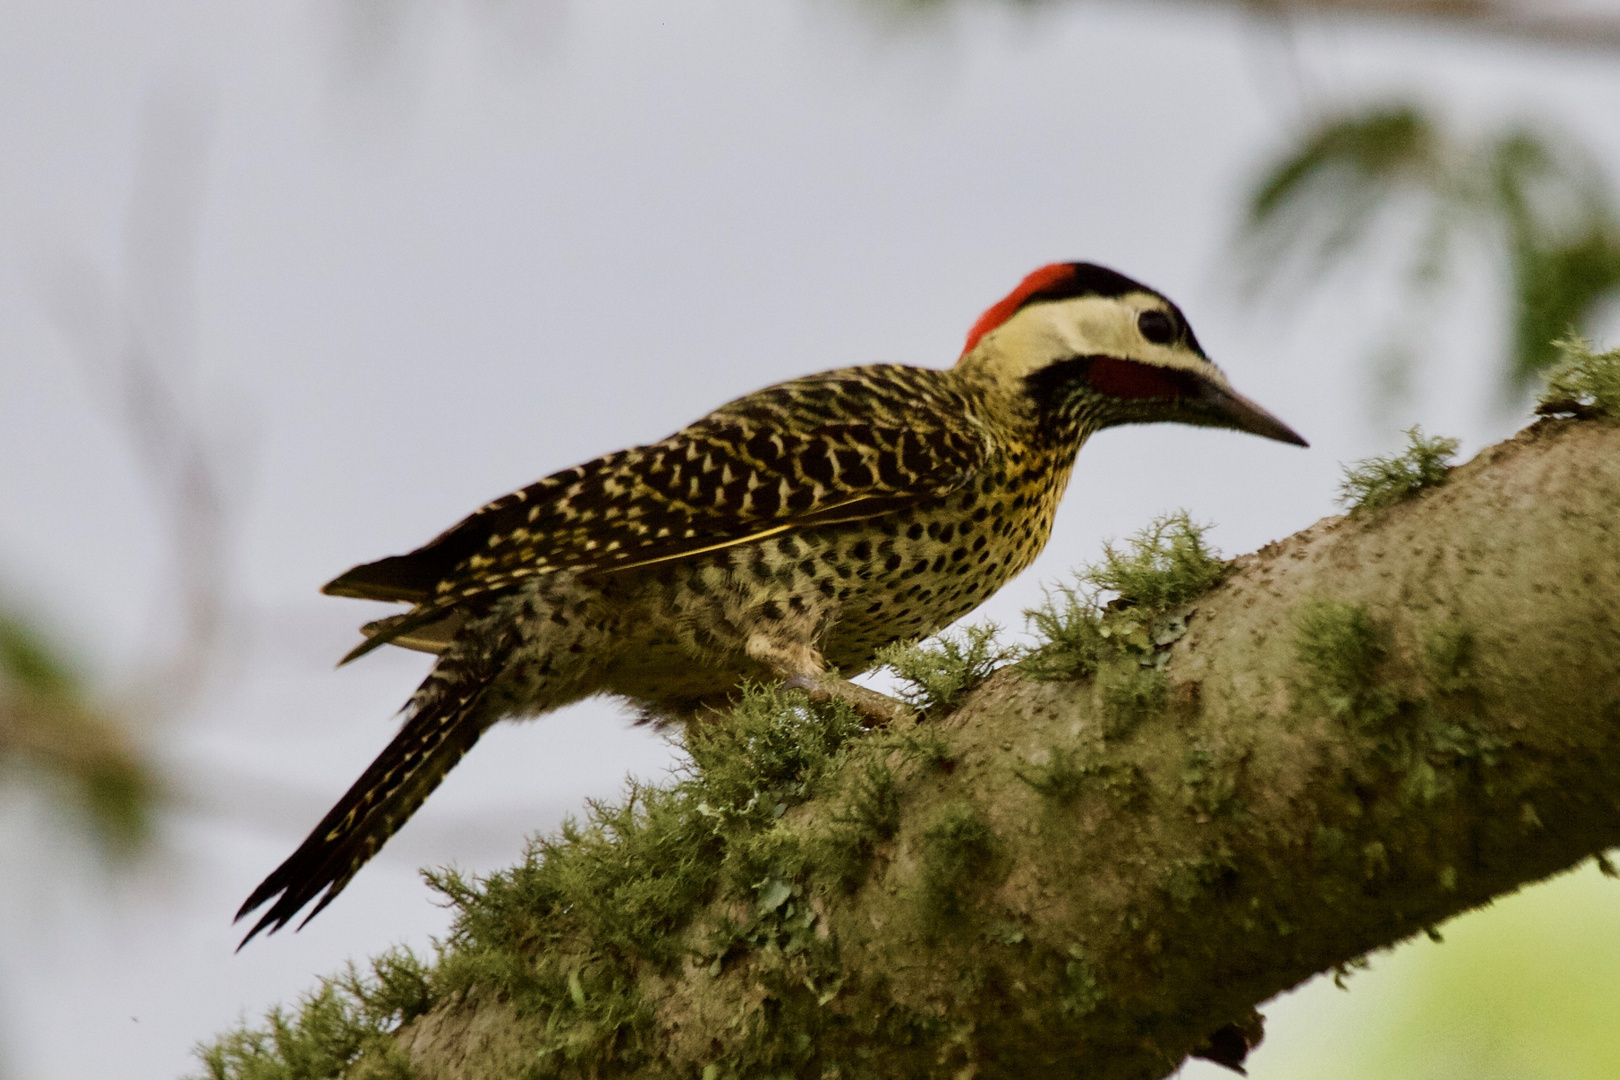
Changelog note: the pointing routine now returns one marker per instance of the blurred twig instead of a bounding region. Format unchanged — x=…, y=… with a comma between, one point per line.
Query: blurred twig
x=1523, y=20
x=134, y=341
x=1529, y=21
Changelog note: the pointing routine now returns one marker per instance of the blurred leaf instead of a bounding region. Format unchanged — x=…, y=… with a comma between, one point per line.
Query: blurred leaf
x=1544, y=203
x=49, y=730
x=1320, y=200
x=27, y=662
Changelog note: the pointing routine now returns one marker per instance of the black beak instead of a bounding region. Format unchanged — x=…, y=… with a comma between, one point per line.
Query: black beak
x=1233, y=410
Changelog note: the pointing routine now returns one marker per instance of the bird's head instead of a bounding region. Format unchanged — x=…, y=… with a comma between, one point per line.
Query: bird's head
x=1088, y=348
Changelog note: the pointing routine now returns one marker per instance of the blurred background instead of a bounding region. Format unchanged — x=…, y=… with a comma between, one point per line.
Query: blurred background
x=288, y=287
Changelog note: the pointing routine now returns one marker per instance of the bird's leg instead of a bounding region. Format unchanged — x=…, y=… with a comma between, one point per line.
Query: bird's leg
x=801, y=668
x=873, y=707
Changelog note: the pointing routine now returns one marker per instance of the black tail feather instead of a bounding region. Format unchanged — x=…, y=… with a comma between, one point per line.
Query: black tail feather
x=435, y=737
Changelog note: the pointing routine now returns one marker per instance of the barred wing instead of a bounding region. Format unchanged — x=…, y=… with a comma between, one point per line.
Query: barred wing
x=831, y=448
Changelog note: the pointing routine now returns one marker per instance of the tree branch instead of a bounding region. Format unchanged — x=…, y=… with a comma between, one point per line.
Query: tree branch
x=1379, y=723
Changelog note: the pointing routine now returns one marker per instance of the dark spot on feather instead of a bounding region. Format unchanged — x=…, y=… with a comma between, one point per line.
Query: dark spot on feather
x=767, y=499
x=817, y=463
x=762, y=448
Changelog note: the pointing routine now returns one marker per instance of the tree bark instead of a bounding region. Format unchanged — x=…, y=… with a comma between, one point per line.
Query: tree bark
x=1374, y=725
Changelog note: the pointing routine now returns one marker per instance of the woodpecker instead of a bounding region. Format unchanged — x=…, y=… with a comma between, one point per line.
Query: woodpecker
x=788, y=535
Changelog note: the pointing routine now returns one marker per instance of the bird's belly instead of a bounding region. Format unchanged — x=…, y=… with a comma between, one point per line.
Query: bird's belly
x=685, y=628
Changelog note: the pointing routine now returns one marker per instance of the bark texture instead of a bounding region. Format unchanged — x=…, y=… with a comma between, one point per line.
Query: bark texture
x=1367, y=728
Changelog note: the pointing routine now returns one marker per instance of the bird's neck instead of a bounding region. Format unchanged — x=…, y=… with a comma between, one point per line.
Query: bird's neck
x=1017, y=417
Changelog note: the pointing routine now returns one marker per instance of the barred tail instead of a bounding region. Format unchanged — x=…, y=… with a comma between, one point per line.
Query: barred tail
x=444, y=724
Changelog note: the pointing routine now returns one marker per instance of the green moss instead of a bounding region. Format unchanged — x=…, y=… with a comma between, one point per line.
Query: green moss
x=567, y=936
x=1082, y=992
x=1192, y=879
x=944, y=668
x=1162, y=567
x=1067, y=628
x=924, y=745
x=866, y=814
x=1383, y=481
x=1582, y=383
x=1449, y=657
x=1342, y=648
x=959, y=852
x=1064, y=778
x=1208, y=787
x=1166, y=564
x=1428, y=742
x=343, y=1029
x=1130, y=694
x=716, y=869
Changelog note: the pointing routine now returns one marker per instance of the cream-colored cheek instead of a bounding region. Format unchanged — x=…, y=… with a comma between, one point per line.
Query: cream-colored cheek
x=1106, y=333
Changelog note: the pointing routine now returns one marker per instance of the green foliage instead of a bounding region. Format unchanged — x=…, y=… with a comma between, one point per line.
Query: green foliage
x=1545, y=205
x=942, y=669
x=1065, y=777
x=867, y=814
x=1067, y=628
x=1342, y=649
x=567, y=935
x=28, y=663
x=1582, y=382
x=1478, y=1006
x=1082, y=992
x=344, y=1029
x=1318, y=200
x=1422, y=740
x=1131, y=692
x=1382, y=481
x=960, y=851
x=1163, y=566
x=48, y=725
x=1062, y=779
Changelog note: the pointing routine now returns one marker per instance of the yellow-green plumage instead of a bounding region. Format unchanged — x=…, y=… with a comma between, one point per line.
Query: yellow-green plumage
x=795, y=530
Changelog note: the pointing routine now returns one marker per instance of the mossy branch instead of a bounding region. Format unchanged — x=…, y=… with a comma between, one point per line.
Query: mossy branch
x=1358, y=733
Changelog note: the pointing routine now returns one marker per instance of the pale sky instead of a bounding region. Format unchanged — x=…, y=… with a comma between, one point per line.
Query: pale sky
x=435, y=263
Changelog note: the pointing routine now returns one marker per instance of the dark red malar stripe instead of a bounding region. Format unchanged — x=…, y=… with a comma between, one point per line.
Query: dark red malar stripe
x=1129, y=379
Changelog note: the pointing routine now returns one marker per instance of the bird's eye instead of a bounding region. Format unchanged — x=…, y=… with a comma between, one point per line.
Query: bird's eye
x=1157, y=327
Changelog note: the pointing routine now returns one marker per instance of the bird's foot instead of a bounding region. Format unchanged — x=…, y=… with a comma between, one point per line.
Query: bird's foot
x=875, y=709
